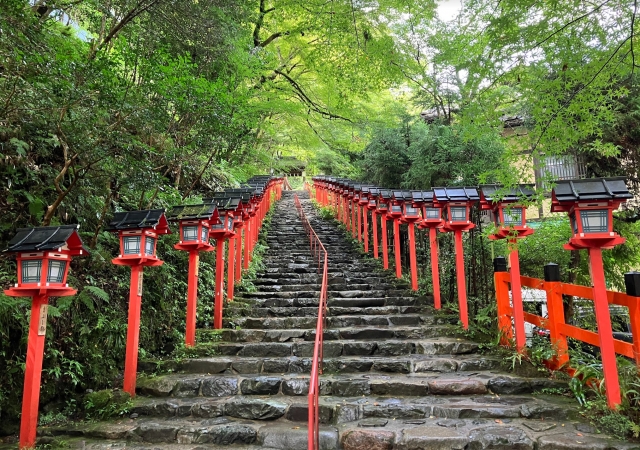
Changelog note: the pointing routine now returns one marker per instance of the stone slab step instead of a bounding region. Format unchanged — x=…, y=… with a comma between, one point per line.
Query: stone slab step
x=349, y=385
x=340, y=365
x=309, y=322
x=311, y=311
x=377, y=347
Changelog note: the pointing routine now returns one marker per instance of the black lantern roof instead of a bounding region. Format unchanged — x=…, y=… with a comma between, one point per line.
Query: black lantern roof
x=206, y=211
x=422, y=196
x=374, y=192
x=226, y=203
x=403, y=196
x=456, y=194
x=518, y=192
x=613, y=188
x=147, y=218
x=385, y=194
x=47, y=238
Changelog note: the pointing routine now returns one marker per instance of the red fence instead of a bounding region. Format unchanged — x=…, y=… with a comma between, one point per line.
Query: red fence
x=559, y=330
x=318, y=251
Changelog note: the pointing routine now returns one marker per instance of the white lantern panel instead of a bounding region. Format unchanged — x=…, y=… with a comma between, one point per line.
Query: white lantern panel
x=204, y=235
x=458, y=213
x=433, y=213
x=31, y=271
x=229, y=222
x=56, y=271
x=131, y=245
x=512, y=217
x=595, y=220
x=396, y=208
x=149, y=246
x=190, y=233
x=410, y=211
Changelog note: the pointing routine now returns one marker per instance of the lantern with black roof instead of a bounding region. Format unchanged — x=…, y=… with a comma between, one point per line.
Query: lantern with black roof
x=43, y=255
x=242, y=228
x=395, y=212
x=227, y=208
x=510, y=218
x=357, y=193
x=456, y=204
x=410, y=215
x=372, y=206
x=431, y=220
x=590, y=204
x=382, y=208
x=194, y=222
x=138, y=232
x=364, y=208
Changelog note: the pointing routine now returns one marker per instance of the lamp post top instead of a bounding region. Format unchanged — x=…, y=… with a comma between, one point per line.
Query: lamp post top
x=568, y=192
x=205, y=211
x=147, y=218
x=455, y=194
x=495, y=193
x=47, y=238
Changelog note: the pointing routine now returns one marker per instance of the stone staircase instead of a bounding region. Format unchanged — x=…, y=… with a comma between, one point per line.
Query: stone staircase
x=395, y=376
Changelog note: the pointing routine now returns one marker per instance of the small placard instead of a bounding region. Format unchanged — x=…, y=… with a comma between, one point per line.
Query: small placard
x=197, y=262
x=42, y=322
x=140, y=284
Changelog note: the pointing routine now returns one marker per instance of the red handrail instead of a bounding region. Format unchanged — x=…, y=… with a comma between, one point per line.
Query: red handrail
x=320, y=253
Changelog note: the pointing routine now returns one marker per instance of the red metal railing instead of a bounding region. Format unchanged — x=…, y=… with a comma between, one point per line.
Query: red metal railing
x=319, y=252
x=559, y=330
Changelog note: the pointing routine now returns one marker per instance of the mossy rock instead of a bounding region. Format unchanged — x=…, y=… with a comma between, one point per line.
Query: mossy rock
x=107, y=403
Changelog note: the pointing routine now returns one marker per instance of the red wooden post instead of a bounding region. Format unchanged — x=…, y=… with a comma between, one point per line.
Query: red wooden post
x=632, y=284
x=516, y=295
x=412, y=257
x=217, y=312
x=396, y=246
x=503, y=302
x=247, y=244
x=354, y=232
x=555, y=312
x=192, y=297
x=231, y=267
x=374, y=222
x=385, y=244
x=435, y=273
x=359, y=214
x=365, y=232
x=462, y=282
x=605, y=333
x=33, y=371
x=133, y=331
x=239, y=254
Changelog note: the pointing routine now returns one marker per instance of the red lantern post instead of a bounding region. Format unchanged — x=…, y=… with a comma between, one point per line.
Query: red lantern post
x=138, y=232
x=456, y=204
x=431, y=220
x=382, y=207
x=372, y=206
x=364, y=203
x=411, y=214
x=511, y=223
x=590, y=204
x=43, y=255
x=395, y=213
x=194, y=222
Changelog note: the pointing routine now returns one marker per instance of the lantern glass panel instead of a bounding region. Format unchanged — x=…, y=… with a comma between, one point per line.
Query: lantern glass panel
x=230, y=222
x=512, y=217
x=458, y=213
x=56, y=271
x=31, y=271
x=204, y=235
x=574, y=223
x=396, y=208
x=433, y=213
x=190, y=233
x=149, y=246
x=131, y=245
x=383, y=206
x=372, y=202
x=410, y=211
x=595, y=220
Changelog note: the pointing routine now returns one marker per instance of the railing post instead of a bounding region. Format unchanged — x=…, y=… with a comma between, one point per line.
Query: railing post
x=555, y=312
x=605, y=332
x=632, y=284
x=501, y=279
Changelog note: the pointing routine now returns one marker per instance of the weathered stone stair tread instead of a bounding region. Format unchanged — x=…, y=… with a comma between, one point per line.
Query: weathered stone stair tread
x=312, y=311
x=345, y=385
x=283, y=323
x=403, y=434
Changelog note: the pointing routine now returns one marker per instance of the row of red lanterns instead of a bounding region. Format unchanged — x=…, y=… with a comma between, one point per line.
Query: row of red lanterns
x=43, y=255
x=589, y=203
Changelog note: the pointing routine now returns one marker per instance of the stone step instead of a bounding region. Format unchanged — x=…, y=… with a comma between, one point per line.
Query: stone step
x=340, y=365
x=282, y=323
x=374, y=433
x=312, y=300
x=342, y=385
x=333, y=348
x=312, y=311
x=340, y=410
